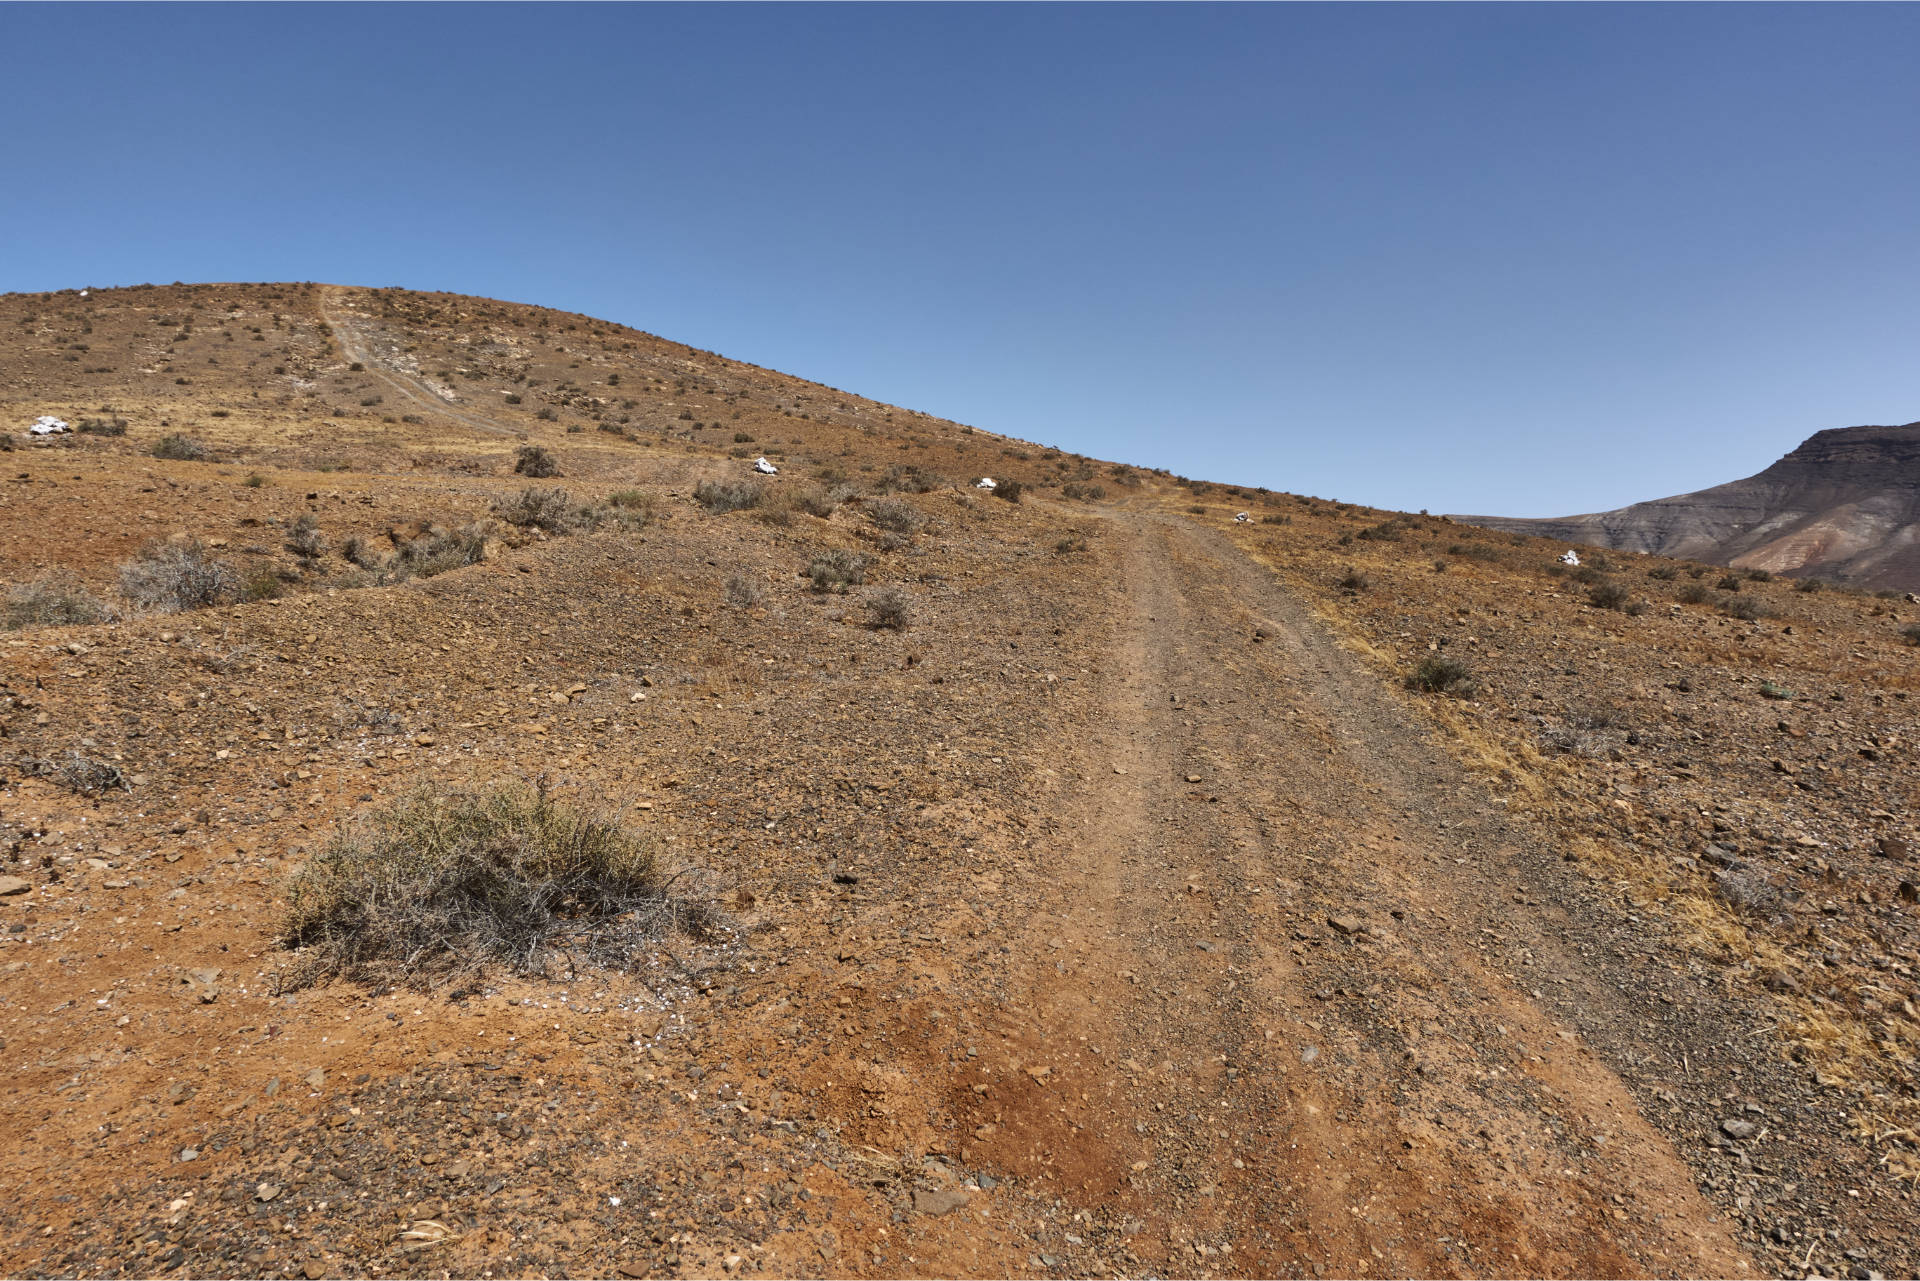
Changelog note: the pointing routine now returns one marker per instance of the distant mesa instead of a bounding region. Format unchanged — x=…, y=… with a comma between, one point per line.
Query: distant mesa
x=1844, y=506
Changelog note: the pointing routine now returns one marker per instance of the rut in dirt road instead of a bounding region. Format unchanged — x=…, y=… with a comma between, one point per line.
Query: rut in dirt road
x=1258, y=1011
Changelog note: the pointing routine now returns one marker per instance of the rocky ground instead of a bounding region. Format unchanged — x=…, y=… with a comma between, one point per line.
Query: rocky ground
x=1122, y=914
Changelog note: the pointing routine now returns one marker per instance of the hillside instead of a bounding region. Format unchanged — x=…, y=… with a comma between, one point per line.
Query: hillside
x=1844, y=506
x=1071, y=881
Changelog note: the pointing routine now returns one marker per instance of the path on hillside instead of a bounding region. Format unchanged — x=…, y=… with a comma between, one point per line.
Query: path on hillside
x=345, y=330
x=1265, y=1006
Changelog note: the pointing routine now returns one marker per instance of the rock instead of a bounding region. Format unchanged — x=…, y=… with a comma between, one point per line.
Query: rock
x=1735, y=1128
x=1909, y=892
x=189, y=1154
x=13, y=885
x=1345, y=925
x=1720, y=856
x=940, y=1200
x=317, y=1078
x=315, y=1270
x=267, y=1191
x=1039, y=1072
x=1889, y=847
x=1193, y=778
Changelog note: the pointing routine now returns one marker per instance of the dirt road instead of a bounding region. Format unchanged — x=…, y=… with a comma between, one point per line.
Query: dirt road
x=347, y=329
x=1255, y=1009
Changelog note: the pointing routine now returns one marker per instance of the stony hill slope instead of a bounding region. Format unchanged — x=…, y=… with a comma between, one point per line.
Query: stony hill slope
x=1843, y=506
x=1090, y=891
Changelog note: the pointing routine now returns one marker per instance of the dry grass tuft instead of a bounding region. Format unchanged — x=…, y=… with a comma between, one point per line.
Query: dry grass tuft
x=437, y=885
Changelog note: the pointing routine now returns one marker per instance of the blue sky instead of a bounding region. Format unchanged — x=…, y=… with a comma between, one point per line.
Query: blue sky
x=1506, y=259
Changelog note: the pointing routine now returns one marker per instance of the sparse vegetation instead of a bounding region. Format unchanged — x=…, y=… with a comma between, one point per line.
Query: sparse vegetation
x=890, y=606
x=305, y=540
x=438, y=885
x=1608, y=595
x=181, y=448
x=552, y=510
x=719, y=496
x=634, y=508
x=535, y=463
x=1353, y=581
x=1082, y=492
x=1912, y=633
x=102, y=427
x=1439, y=674
x=439, y=550
x=1011, y=490
x=743, y=592
x=897, y=516
x=1744, y=608
x=54, y=599
x=170, y=576
x=836, y=569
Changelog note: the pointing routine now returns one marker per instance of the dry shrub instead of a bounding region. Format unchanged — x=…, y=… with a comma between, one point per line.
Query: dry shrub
x=728, y=495
x=170, y=576
x=439, y=550
x=305, y=540
x=891, y=607
x=897, y=516
x=181, y=448
x=535, y=463
x=79, y=773
x=836, y=569
x=634, y=508
x=552, y=510
x=53, y=599
x=743, y=592
x=438, y=885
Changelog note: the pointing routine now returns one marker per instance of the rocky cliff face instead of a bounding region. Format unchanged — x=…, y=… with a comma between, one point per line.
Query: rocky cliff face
x=1844, y=506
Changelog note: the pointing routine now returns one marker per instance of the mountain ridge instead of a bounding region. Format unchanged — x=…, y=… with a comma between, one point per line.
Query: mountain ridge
x=1842, y=505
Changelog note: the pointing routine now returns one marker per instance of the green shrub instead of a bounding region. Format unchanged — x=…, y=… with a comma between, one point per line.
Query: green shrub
x=1438, y=674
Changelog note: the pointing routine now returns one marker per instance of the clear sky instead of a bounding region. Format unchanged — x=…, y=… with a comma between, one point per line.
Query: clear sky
x=1508, y=259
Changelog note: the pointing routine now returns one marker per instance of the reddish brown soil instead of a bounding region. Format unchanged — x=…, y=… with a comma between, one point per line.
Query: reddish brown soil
x=1122, y=915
